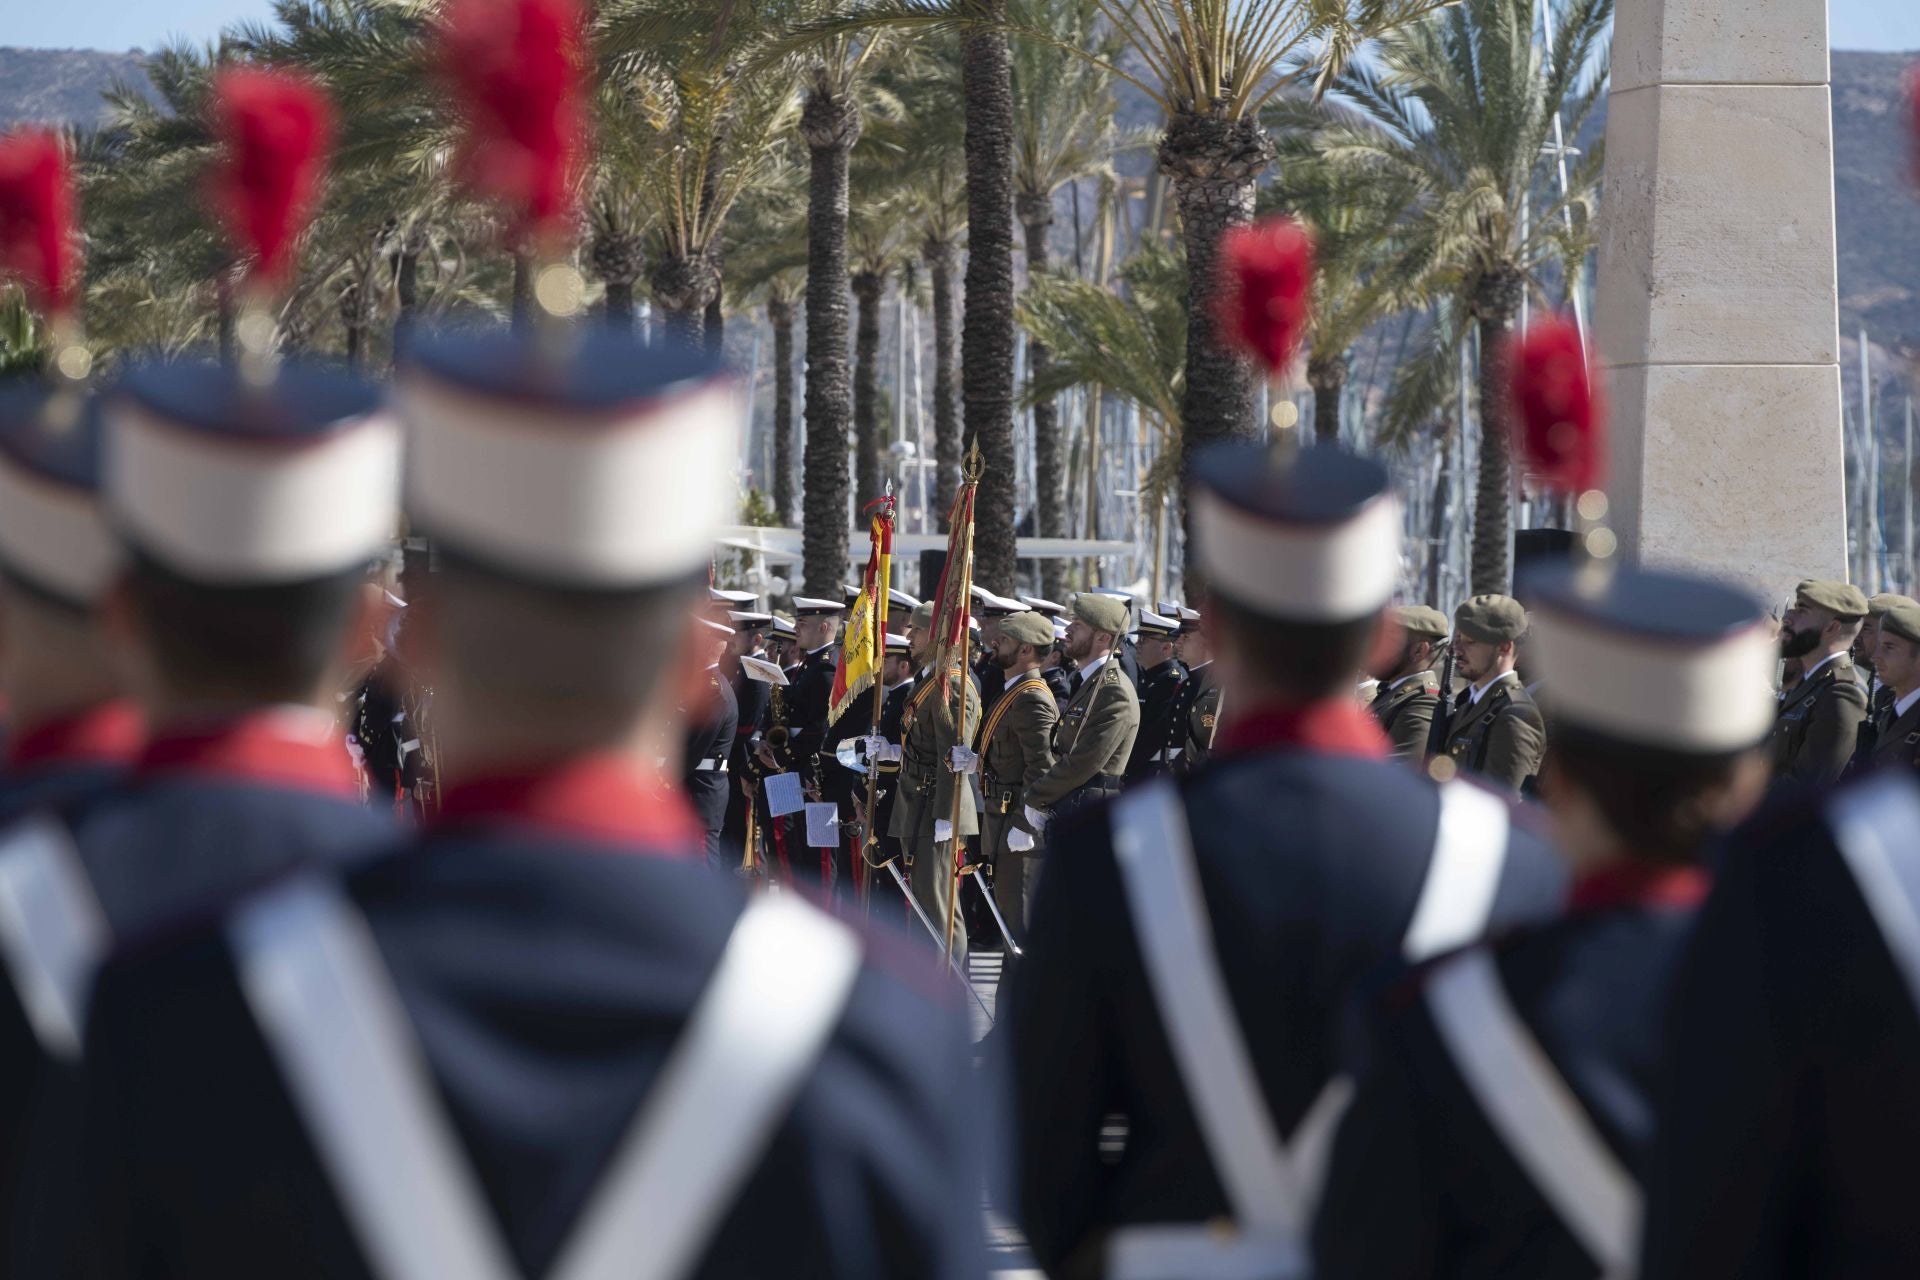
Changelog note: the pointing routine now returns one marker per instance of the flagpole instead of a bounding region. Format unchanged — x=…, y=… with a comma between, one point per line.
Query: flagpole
x=970, y=474
x=881, y=601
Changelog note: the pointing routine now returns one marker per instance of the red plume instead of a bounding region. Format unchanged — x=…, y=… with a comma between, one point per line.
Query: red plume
x=37, y=237
x=516, y=68
x=1559, y=419
x=1266, y=274
x=277, y=129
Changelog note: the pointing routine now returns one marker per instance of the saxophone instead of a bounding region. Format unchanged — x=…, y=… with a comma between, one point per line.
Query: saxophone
x=777, y=735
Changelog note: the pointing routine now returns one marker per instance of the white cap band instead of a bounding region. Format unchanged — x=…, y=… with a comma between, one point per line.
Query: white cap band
x=53, y=535
x=233, y=511
x=1657, y=690
x=611, y=503
x=1306, y=572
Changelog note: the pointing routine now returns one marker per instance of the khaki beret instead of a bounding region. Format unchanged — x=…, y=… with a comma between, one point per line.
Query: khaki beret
x=1877, y=605
x=1842, y=599
x=1491, y=619
x=1102, y=613
x=1028, y=627
x=1422, y=622
x=922, y=616
x=1902, y=620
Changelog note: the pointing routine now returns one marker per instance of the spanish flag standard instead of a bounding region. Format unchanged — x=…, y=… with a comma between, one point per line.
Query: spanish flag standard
x=865, y=644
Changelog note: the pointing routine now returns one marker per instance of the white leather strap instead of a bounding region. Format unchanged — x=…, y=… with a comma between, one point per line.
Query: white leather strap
x=1463, y=876
x=314, y=978
x=1271, y=1189
x=1875, y=826
x=1534, y=1112
x=53, y=933
x=1199, y=1251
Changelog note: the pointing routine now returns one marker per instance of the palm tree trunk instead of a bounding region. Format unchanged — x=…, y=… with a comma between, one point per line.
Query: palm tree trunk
x=1495, y=300
x=355, y=359
x=522, y=303
x=618, y=309
x=780, y=315
x=830, y=124
x=684, y=325
x=986, y=338
x=946, y=379
x=683, y=285
x=869, y=464
x=1049, y=467
x=716, y=326
x=406, y=288
x=1328, y=378
x=1213, y=164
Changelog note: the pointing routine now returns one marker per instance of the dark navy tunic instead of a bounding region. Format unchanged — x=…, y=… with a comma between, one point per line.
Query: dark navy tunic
x=710, y=743
x=1789, y=1125
x=1422, y=1183
x=547, y=938
x=1312, y=849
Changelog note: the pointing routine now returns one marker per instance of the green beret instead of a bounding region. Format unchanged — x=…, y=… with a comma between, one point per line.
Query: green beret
x=1419, y=621
x=1491, y=619
x=922, y=616
x=1102, y=613
x=1902, y=620
x=1028, y=627
x=1841, y=599
x=1877, y=605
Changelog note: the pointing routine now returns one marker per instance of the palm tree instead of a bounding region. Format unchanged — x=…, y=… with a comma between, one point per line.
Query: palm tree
x=877, y=251
x=1064, y=130
x=1458, y=108
x=766, y=254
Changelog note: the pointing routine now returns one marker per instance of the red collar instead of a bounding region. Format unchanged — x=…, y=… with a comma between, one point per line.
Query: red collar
x=1333, y=727
x=1639, y=884
x=601, y=797
x=105, y=733
x=295, y=747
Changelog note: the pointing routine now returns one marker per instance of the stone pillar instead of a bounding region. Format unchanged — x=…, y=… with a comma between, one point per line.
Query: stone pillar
x=1717, y=310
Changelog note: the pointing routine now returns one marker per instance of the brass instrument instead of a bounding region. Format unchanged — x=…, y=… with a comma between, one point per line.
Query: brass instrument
x=778, y=735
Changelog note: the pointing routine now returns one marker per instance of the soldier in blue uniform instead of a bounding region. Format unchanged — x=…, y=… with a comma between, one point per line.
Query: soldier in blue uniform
x=1503, y=1119
x=1200, y=707
x=806, y=705
x=513, y=1051
x=1163, y=683
x=751, y=694
x=1186, y=973
x=709, y=747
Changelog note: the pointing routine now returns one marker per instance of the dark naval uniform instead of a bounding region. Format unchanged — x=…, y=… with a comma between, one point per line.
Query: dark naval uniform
x=392, y=754
x=1424, y=1180
x=709, y=765
x=1060, y=681
x=1818, y=726
x=1162, y=698
x=1502, y=737
x=750, y=698
x=893, y=709
x=1199, y=720
x=807, y=703
x=541, y=1039
x=1316, y=859
x=1405, y=712
x=1786, y=1127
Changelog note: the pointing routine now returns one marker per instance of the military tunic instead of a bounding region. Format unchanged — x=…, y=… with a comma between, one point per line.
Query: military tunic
x=928, y=789
x=1162, y=697
x=1418, y=1152
x=1091, y=743
x=1502, y=737
x=808, y=698
x=1199, y=716
x=750, y=697
x=1818, y=727
x=542, y=1033
x=1016, y=747
x=1406, y=710
x=1785, y=1133
x=709, y=769
x=1311, y=851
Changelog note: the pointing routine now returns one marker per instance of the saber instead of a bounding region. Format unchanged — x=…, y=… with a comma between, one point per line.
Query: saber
x=998, y=919
x=953, y=962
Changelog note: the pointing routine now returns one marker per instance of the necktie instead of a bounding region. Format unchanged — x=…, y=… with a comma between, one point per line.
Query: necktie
x=1073, y=685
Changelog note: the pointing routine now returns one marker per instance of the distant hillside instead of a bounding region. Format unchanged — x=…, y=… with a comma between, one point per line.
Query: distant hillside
x=61, y=85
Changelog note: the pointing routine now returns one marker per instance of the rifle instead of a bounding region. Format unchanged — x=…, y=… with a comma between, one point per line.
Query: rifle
x=1437, y=733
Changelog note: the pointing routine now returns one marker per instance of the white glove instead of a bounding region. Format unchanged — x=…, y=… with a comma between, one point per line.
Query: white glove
x=875, y=746
x=1019, y=841
x=942, y=831
x=1035, y=819
x=961, y=760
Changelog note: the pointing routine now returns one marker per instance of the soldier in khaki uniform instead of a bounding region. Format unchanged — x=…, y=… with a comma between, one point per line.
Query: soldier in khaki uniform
x=1879, y=693
x=923, y=803
x=1496, y=730
x=1817, y=729
x=1896, y=657
x=1101, y=717
x=1409, y=690
x=1015, y=748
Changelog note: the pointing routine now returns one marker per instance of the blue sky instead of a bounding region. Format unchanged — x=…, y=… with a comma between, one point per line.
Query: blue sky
x=124, y=24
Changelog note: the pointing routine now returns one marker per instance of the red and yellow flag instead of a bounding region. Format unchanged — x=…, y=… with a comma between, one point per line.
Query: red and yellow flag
x=865, y=645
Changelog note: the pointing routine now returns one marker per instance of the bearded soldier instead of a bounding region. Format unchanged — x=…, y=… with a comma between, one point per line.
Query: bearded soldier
x=1015, y=748
x=1496, y=731
x=1817, y=729
x=924, y=805
x=1409, y=691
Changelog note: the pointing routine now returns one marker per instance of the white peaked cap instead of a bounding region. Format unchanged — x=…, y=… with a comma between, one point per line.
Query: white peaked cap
x=1312, y=538
x=1661, y=659
x=1156, y=622
x=230, y=484
x=605, y=465
x=721, y=595
x=815, y=605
